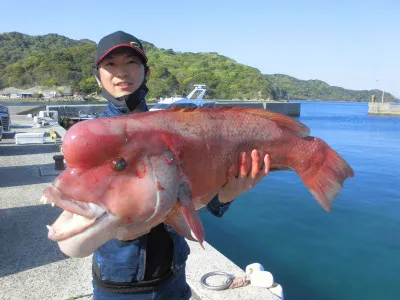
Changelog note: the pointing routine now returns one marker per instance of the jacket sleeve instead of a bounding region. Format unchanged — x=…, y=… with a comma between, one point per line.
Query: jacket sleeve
x=217, y=208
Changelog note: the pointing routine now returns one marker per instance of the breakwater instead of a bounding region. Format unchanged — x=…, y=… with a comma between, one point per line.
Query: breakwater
x=383, y=109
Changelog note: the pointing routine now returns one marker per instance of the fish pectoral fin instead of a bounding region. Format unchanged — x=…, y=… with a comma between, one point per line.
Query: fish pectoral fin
x=189, y=213
x=195, y=224
x=179, y=223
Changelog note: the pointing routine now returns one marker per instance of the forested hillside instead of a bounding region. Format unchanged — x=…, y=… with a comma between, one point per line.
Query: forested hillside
x=287, y=87
x=53, y=60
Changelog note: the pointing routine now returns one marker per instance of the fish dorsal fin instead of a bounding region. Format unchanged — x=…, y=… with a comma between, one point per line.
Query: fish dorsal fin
x=282, y=120
x=185, y=109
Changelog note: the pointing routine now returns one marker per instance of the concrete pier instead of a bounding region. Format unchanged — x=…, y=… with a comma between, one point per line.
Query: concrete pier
x=383, y=109
x=287, y=108
x=31, y=265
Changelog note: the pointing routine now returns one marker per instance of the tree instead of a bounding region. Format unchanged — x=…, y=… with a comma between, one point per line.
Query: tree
x=88, y=85
x=51, y=83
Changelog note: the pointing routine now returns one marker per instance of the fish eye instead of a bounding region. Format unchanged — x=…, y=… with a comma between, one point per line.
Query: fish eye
x=118, y=164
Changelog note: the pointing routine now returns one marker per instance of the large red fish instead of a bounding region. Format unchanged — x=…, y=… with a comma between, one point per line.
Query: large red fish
x=127, y=174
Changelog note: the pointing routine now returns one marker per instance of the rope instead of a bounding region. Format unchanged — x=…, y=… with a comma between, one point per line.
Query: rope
x=239, y=281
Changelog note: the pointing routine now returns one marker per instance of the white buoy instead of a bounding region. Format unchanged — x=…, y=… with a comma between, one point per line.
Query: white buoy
x=254, y=267
x=262, y=279
x=277, y=290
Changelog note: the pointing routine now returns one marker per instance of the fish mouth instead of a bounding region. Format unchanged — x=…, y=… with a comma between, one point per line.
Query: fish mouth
x=76, y=218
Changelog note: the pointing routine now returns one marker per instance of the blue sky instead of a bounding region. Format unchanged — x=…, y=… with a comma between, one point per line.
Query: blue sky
x=352, y=44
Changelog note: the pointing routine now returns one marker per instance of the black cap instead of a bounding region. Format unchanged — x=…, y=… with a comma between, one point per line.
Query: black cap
x=116, y=40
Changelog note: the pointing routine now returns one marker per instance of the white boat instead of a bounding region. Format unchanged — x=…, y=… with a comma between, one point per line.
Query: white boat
x=172, y=99
x=186, y=102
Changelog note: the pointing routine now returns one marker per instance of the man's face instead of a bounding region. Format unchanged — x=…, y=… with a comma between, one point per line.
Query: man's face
x=121, y=72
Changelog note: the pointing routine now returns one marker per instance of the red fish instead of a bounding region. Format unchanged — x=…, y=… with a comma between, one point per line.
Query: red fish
x=128, y=174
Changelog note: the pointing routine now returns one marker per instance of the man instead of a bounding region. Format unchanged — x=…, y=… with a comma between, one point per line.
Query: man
x=153, y=265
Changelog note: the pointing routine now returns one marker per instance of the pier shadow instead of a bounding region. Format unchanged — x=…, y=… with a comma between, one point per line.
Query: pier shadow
x=26, y=175
x=20, y=126
x=8, y=149
x=8, y=135
x=23, y=235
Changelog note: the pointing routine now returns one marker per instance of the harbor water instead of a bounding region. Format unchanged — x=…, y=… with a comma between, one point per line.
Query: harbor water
x=352, y=252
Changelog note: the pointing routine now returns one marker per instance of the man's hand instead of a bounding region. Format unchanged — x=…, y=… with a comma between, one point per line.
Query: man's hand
x=249, y=174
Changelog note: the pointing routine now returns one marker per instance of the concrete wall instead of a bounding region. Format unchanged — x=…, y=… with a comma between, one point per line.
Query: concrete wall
x=383, y=109
x=290, y=109
x=286, y=108
x=242, y=104
x=74, y=110
x=25, y=109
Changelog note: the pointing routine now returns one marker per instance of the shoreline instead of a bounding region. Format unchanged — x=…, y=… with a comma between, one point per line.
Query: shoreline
x=99, y=100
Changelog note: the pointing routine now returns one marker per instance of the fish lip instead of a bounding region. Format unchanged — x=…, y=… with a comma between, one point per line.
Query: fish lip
x=59, y=237
x=87, y=213
x=87, y=241
x=54, y=196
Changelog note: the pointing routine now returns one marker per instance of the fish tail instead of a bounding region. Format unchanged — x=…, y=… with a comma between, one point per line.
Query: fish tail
x=325, y=177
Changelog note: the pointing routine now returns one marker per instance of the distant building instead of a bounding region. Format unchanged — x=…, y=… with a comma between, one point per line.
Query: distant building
x=37, y=91
x=51, y=94
x=21, y=95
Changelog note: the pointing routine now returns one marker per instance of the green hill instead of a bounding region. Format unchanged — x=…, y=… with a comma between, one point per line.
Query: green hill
x=287, y=87
x=53, y=60
x=15, y=46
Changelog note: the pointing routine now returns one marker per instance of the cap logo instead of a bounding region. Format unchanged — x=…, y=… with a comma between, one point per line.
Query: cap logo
x=134, y=44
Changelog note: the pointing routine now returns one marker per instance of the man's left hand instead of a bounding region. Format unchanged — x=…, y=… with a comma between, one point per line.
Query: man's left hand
x=251, y=171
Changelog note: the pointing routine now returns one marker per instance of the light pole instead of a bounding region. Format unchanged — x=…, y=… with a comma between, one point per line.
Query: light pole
x=383, y=91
